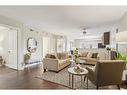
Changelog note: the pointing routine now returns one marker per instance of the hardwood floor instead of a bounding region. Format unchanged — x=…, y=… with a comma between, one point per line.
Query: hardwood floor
x=26, y=79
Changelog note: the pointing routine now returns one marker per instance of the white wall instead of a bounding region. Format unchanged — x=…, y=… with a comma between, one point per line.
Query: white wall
x=123, y=27
x=39, y=35
x=123, y=23
x=37, y=55
x=23, y=34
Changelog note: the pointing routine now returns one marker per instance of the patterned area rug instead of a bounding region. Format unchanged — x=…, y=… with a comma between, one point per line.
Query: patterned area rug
x=62, y=78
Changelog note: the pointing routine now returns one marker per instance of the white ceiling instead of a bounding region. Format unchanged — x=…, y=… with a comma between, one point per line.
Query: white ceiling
x=66, y=20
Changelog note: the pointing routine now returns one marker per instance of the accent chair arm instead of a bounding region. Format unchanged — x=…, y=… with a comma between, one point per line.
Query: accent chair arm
x=91, y=73
x=90, y=70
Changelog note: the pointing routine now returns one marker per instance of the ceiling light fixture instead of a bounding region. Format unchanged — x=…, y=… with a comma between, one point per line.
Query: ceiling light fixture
x=84, y=31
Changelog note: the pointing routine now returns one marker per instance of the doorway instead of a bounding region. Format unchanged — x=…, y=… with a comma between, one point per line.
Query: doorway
x=46, y=46
x=9, y=46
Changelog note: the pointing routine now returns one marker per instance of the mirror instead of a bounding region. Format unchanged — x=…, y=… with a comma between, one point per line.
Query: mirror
x=31, y=45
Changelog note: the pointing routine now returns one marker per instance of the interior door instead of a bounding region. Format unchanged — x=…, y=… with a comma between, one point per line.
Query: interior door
x=12, y=49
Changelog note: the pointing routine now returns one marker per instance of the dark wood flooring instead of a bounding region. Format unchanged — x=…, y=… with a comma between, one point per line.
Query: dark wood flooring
x=26, y=79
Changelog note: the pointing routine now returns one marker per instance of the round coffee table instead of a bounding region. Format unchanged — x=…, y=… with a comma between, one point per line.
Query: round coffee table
x=72, y=72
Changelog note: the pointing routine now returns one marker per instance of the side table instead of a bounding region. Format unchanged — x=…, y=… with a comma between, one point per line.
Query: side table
x=72, y=73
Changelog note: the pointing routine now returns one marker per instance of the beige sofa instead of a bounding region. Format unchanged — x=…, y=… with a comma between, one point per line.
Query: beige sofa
x=89, y=58
x=57, y=62
x=106, y=72
x=103, y=54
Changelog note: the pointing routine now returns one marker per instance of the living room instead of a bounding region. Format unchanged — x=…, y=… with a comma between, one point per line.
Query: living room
x=60, y=39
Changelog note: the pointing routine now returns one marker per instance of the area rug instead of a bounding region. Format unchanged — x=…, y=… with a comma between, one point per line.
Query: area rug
x=62, y=78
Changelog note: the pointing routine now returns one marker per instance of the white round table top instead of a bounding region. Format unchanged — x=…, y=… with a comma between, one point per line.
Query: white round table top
x=72, y=71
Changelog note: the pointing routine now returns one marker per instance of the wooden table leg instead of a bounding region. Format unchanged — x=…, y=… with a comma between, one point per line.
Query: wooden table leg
x=87, y=81
x=126, y=80
x=72, y=81
x=81, y=81
x=69, y=79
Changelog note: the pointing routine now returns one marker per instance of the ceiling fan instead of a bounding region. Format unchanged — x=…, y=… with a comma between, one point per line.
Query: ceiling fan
x=84, y=31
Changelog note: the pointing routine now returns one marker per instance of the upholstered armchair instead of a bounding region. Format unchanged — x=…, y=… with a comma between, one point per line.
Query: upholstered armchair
x=106, y=72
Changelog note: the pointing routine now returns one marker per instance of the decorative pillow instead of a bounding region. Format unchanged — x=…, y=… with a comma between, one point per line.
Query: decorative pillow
x=89, y=55
x=62, y=55
x=47, y=56
x=94, y=55
x=50, y=56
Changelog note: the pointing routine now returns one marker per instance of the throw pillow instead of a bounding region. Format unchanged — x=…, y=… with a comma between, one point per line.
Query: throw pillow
x=94, y=55
x=89, y=55
x=52, y=56
x=47, y=56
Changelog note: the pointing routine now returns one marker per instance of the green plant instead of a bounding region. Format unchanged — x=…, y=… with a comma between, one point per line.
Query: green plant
x=27, y=57
x=76, y=52
x=121, y=56
x=76, y=56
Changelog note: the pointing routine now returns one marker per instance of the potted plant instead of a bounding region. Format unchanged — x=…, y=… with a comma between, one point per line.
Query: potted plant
x=76, y=55
x=121, y=56
x=27, y=57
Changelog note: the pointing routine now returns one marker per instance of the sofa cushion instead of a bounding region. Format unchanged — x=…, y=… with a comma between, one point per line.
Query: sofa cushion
x=89, y=55
x=86, y=58
x=59, y=55
x=94, y=55
x=62, y=55
x=83, y=54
